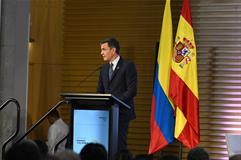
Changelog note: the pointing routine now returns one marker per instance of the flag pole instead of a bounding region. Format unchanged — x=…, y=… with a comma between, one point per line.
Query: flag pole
x=160, y=154
x=180, y=150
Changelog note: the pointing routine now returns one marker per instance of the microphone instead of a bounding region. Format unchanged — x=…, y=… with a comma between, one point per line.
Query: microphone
x=90, y=74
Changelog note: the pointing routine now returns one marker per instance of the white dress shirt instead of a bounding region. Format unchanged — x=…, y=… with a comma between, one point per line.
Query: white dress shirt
x=57, y=131
x=115, y=62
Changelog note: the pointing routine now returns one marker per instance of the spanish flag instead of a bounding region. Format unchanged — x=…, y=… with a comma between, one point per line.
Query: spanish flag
x=183, y=81
x=162, y=112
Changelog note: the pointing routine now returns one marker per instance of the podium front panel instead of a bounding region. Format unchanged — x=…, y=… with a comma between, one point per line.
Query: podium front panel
x=90, y=124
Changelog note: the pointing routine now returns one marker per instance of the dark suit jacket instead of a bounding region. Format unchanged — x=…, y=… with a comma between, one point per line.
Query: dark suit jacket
x=122, y=85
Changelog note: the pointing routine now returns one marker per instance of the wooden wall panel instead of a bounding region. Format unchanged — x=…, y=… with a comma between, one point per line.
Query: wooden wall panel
x=45, y=56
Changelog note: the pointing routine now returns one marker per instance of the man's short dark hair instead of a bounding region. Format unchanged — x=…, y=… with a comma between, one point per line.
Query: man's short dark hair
x=93, y=151
x=54, y=113
x=113, y=43
x=198, y=153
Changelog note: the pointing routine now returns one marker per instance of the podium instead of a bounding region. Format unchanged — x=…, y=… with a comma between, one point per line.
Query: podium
x=94, y=118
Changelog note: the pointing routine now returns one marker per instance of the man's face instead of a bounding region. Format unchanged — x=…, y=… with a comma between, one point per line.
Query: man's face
x=107, y=53
x=50, y=119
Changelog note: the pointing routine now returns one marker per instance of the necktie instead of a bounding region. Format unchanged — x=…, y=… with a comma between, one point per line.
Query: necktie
x=110, y=70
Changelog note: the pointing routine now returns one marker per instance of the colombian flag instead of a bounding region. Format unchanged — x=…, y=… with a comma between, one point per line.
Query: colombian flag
x=183, y=81
x=162, y=113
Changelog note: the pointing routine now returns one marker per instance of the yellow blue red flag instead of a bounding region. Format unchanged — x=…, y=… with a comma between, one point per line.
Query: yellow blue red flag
x=162, y=112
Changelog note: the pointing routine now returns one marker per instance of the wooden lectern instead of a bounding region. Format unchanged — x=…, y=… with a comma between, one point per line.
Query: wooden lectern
x=94, y=118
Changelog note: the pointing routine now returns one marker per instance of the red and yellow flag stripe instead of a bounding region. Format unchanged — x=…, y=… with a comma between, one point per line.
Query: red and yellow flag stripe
x=183, y=81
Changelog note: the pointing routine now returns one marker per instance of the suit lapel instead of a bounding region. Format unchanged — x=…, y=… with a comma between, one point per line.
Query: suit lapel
x=106, y=74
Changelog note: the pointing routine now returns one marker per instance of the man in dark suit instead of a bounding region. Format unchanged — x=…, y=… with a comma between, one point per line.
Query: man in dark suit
x=119, y=78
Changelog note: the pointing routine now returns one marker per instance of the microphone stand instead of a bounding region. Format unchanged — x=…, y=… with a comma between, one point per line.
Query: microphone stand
x=90, y=74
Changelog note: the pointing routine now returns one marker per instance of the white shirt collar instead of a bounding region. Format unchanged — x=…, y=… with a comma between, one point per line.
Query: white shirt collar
x=116, y=60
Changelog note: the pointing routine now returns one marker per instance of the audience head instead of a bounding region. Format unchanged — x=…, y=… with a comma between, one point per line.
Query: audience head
x=42, y=147
x=235, y=157
x=169, y=157
x=26, y=150
x=51, y=157
x=67, y=155
x=144, y=157
x=93, y=151
x=198, y=153
x=124, y=155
